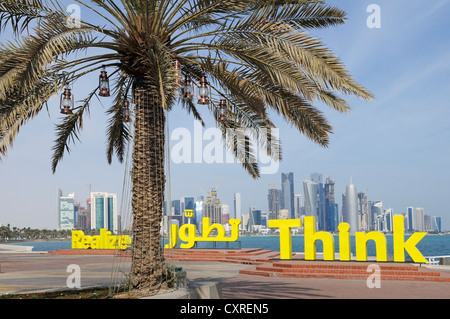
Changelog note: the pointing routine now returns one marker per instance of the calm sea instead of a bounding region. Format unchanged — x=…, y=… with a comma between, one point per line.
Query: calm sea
x=430, y=245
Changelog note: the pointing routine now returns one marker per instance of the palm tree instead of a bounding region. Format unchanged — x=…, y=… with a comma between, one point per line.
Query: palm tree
x=253, y=56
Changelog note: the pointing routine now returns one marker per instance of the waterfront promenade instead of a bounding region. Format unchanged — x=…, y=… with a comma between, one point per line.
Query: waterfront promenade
x=24, y=272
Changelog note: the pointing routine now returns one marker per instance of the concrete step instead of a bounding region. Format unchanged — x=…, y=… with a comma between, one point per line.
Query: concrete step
x=389, y=272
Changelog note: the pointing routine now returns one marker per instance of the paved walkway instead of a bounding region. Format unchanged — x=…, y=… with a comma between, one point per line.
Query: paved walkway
x=23, y=272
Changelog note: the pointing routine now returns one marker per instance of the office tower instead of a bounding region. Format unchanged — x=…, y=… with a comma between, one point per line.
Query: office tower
x=275, y=199
x=363, y=212
x=212, y=207
x=410, y=217
x=66, y=210
x=330, y=209
x=187, y=206
x=297, y=205
x=237, y=206
x=436, y=224
x=311, y=192
x=254, y=218
x=287, y=188
x=388, y=218
x=377, y=212
x=176, y=207
x=419, y=219
x=314, y=192
x=283, y=214
x=350, y=208
x=426, y=222
x=104, y=211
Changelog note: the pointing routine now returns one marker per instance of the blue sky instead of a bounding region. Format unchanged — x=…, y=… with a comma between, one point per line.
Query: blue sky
x=395, y=147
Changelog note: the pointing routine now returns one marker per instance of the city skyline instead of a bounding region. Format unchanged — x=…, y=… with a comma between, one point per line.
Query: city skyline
x=395, y=147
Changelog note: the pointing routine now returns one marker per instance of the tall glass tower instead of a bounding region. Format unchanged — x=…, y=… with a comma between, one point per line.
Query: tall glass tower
x=66, y=211
x=287, y=188
x=350, y=208
x=104, y=211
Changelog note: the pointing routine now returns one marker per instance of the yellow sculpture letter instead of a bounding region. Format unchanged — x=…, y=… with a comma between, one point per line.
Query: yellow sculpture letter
x=361, y=245
x=311, y=237
x=344, y=242
x=410, y=245
x=285, y=226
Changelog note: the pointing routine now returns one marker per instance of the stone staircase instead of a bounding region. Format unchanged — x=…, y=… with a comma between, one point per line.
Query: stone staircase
x=250, y=256
x=344, y=270
x=263, y=262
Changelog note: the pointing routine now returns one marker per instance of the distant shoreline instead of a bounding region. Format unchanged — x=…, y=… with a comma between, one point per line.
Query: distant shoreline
x=15, y=241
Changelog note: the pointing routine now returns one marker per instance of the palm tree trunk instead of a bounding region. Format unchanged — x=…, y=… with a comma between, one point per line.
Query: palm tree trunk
x=148, y=179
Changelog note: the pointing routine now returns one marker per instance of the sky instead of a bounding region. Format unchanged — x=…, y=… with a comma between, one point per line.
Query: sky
x=395, y=148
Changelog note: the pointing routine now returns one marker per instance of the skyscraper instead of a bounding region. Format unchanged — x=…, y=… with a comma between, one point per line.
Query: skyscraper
x=311, y=192
x=104, y=211
x=287, y=188
x=330, y=208
x=314, y=192
x=297, y=205
x=212, y=207
x=350, y=207
x=276, y=201
x=237, y=206
x=66, y=211
x=410, y=218
x=419, y=219
x=436, y=224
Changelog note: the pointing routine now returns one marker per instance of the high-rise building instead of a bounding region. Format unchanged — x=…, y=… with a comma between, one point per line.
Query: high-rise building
x=297, y=205
x=212, y=208
x=275, y=198
x=254, y=218
x=410, y=217
x=311, y=192
x=350, y=207
x=287, y=188
x=330, y=207
x=314, y=192
x=364, y=218
x=237, y=206
x=419, y=219
x=436, y=224
x=104, y=211
x=66, y=211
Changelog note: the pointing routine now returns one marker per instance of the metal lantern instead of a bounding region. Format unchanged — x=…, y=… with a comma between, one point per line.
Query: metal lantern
x=222, y=112
x=204, y=91
x=103, y=83
x=66, y=103
x=126, y=111
x=178, y=69
x=188, y=89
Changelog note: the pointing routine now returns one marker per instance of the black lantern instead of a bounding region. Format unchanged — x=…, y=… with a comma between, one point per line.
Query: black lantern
x=188, y=89
x=66, y=102
x=178, y=69
x=222, y=112
x=103, y=83
x=126, y=111
x=204, y=91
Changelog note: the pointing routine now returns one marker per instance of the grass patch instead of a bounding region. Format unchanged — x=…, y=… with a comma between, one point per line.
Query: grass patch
x=94, y=293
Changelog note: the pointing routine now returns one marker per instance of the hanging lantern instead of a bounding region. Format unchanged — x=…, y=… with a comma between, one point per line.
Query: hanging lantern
x=103, y=83
x=178, y=69
x=222, y=112
x=126, y=111
x=188, y=89
x=66, y=102
x=204, y=91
